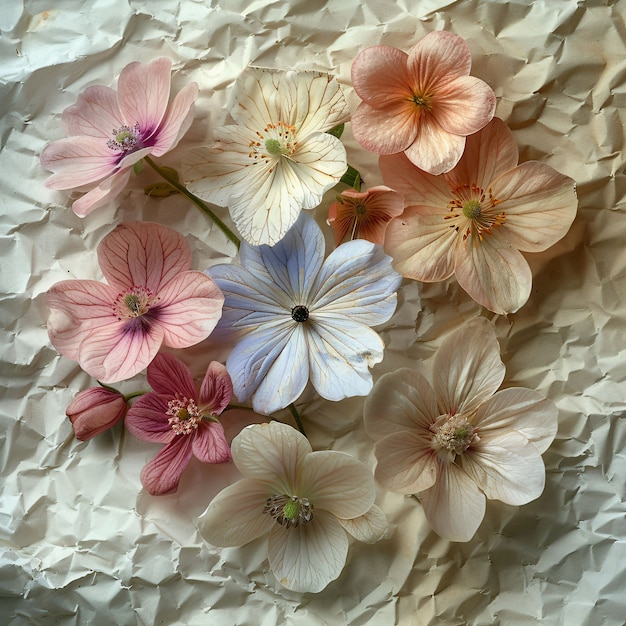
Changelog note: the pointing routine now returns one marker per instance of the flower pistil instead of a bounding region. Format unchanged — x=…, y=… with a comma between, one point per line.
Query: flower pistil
x=453, y=434
x=134, y=303
x=289, y=511
x=184, y=415
x=125, y=139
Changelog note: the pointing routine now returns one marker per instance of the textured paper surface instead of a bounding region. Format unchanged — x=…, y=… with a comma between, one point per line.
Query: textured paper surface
x=81, y=543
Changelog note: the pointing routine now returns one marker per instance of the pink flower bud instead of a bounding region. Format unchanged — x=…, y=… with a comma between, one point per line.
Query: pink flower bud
x=94, y=410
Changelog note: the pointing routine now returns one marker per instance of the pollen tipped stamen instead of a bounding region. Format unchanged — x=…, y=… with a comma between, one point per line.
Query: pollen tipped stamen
x=289, y=511
x=133, y=303
x=125, y=139
x=452, y=436
x=276, y=141
x=473, y=212
x=184, y=415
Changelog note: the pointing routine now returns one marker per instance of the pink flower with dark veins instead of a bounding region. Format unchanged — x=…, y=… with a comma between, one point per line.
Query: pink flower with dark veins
x=109, y=131
x=95, y=410
x=182, y=418
x=152, y=298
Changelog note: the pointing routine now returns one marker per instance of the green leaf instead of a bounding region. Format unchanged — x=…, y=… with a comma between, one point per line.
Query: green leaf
x=337, y=131
x=352, y=178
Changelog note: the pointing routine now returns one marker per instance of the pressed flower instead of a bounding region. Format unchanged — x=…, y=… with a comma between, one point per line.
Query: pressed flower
x=305, y=500
x=278, y=159
x=460, y=441
x=474, y=221
x=95, y=410
x=302, y=317
x=152, y=298
x=423, y=103
x=109, y=131
x=181, y=417
x=364, y=215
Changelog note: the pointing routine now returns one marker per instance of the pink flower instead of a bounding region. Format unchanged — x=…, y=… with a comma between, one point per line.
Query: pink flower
x=423, y=104
x=152, y=299
x=95, y=410
x=364, y=215
x=181, y=418
x=474, y=221
x=460, y=442
x=108, y=132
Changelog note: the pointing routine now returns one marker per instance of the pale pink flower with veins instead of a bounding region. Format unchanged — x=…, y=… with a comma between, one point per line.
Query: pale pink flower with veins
x=152, y=298
x=95, y=410
x=109, y=131
x=423, y=103
x=181, y=417
x=475, y=221
x=364, y=214
x=460, y=441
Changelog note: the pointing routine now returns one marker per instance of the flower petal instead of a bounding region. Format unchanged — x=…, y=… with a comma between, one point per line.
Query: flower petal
x=167, y=374
x=506, y=467
x=401, y=401
x=95, y=113
x=143, y=93
x=454, y=506
x=468, y=369
x=439, y=56
x=494, y=274
x=540, y=205
x=310, y=556
x=369, y=528
x=101, y=195
x=407, y=462
x=216, y=390
x=235, y=516
x=162, y=475
x=209, y=443
x=522, y=410
x=336, y=482
x=177, y=120
x=147, y=419
x=272, y=453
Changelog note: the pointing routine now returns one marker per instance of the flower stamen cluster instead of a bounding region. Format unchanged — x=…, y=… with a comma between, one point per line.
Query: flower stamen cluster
x=133, y=303
x=453, y=435
x=289, y=511
x=125, y=139
x=184, y=415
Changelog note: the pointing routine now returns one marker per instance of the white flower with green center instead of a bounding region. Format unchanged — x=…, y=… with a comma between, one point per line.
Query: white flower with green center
x=278, y=159
x=307, y=502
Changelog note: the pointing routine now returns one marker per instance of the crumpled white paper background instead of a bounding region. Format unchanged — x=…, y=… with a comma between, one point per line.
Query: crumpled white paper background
x=81, y=543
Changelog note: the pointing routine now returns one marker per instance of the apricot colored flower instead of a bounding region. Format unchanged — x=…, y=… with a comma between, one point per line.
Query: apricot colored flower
x=152, y=298
x=423, y=103
x=364, y=214
x=181, y=417
x=474, y=221
x=109, y=131
x=277, y=159
x=95, y=410
x=307, y=501
x=297, y=316
x=460, y=442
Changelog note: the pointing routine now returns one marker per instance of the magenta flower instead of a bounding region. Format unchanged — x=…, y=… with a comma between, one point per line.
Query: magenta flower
x=109, y=131
x=114, y=330
x=95, y=410
x=182, y=418
x=423, y=103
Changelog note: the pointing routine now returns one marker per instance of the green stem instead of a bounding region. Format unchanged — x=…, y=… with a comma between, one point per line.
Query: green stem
x=296, y=416
x=197, y=201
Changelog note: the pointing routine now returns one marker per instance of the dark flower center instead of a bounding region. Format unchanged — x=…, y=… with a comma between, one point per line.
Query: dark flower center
x=299, y=313
x=289, y=511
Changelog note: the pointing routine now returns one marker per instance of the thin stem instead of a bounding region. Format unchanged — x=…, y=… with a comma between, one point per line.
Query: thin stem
x=197, y=201
x=296, y=416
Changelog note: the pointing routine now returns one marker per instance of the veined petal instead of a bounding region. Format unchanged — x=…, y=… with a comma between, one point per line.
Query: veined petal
x=401, y=401
x=506, y=467
x=438, y=57
x=143, y=93
x=368, y=528
x=522, y=410
x=162, y=475
x=454, y=506
x=258, y=94
x=494, y=274
x=407, y=462
x=272, y=453
x=78, y=161
x=95, y=114
x=101, y=195
x=167, y=374
x=356, y=280
x=144, y=254
x=309, y=556
x=235, y=515
x=177, y=120
x=209, y=443
x=147, y=420
x=468, y=369
x=540, y=205
x=216, y=390
x=336, y=482
x=465, y=105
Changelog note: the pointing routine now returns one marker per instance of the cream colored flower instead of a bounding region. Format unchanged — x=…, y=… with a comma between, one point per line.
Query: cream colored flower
x=278, y=159
x=460, y=442
x=305, y=500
